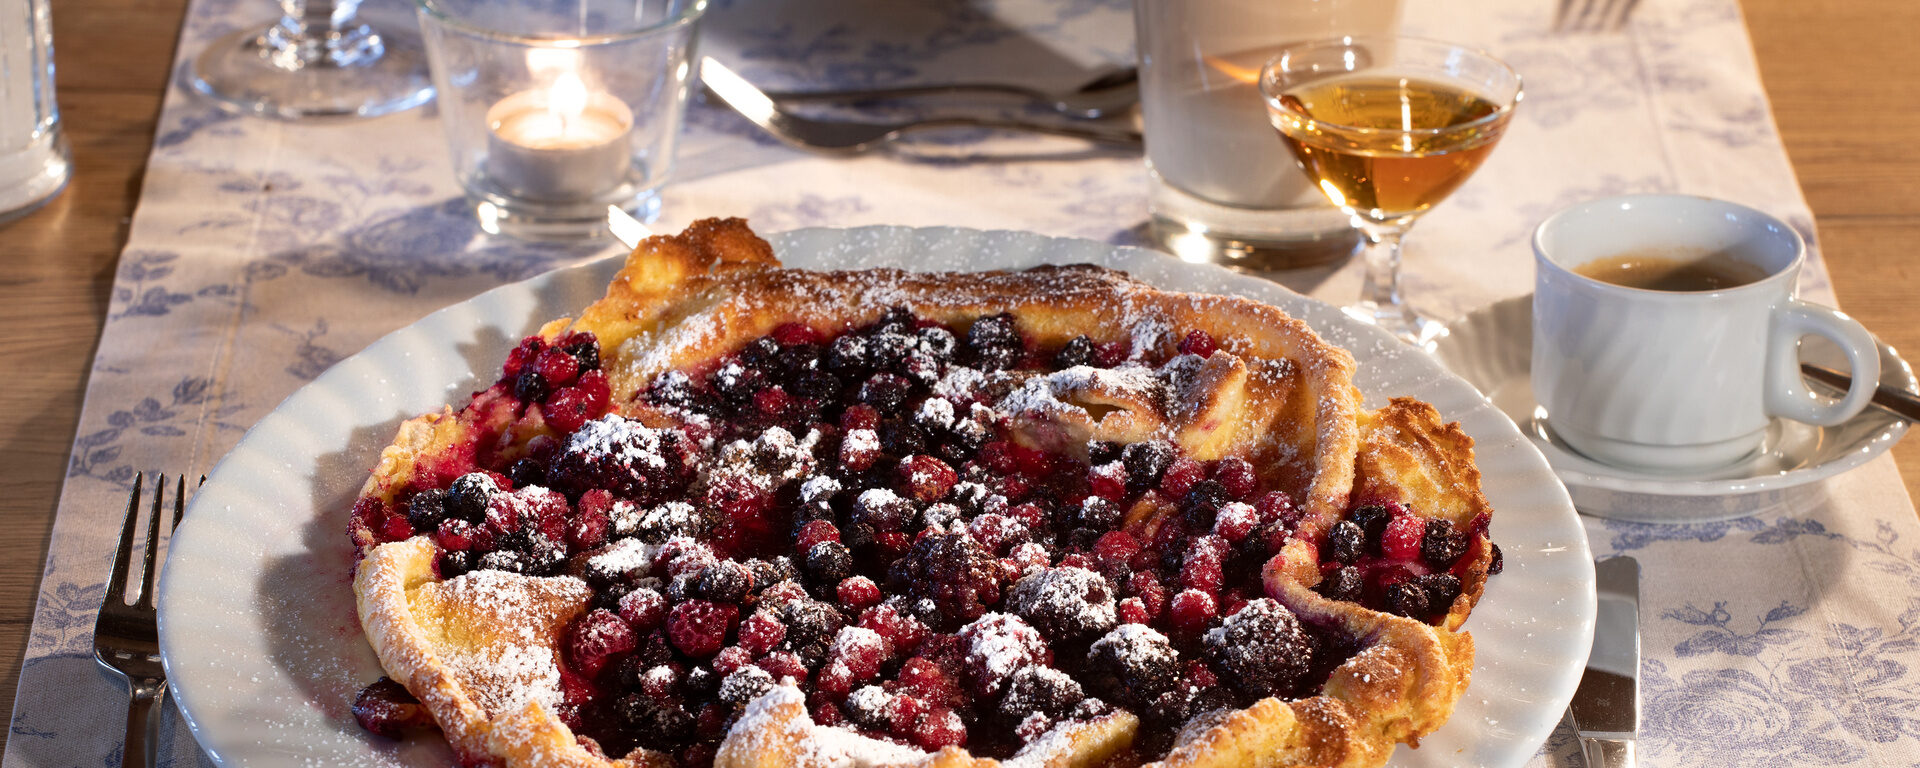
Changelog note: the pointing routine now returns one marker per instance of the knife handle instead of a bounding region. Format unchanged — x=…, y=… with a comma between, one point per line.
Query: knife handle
x=1609, y=753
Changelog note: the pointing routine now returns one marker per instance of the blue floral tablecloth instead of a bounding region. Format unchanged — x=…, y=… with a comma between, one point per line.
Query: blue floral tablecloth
x=263, y=252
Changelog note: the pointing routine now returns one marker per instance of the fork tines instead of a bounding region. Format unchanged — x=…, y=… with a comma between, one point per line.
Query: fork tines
x=117, y=581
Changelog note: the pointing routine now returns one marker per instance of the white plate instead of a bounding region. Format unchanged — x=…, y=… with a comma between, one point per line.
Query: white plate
x=257, y=621
x=1492, y=347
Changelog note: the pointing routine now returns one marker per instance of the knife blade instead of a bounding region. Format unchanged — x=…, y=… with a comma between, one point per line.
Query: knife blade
x=1606, y=706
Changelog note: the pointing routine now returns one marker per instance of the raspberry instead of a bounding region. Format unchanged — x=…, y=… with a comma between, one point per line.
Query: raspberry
x=857, y=593
x=1442, y=545
x=395, y=528
x=995, y=533
x=1033, y=462
x=1076, y=560
x=762, y=632
x=859, y=449
x=891, y=544
x=729, y=659
x=1030, y=514
x=698, y=628
x=557, y=367
x=1277, y=507
x=1201, y=568
x=783, y=665
x=924, y=679
x=456, y=535
x=938, y=729
x=1198, y=342
x=835, y=680
x=906, y=633
x=643, y=608
x=1133, y=611
x=814, y=532
x=997, y=455
x=903, y=713
x=1108, y=481
x=1110, y=353
x=1192, y=611
x=1403, y=538
x=1152, y=595
x=517, y=360
x=1236, y=476
x=1180, y=477
x=661, y=682
x=859, y=417
x=1201, y=675
x=598, y=638
x=588, y=529
x=1234, y=521
x=772, y=402
x=926, y=478
x=829, y=715
x=1114, y=549
x=861, y=650
x=794, y=334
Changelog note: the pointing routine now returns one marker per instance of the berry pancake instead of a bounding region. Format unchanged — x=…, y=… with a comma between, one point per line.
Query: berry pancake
x=742, y=515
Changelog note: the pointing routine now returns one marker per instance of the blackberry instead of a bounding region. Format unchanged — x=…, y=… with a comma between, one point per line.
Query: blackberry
x=1442, y=545
x=455, y=562
x=426, y=509
x=848, y=355
x=701, y=683
x=966, y=436
x=469, y=496
x=674, y=518
x=816, y=384
x=527, y=472
x=1346, y=542
x=1203, y=501
x=502, y=560
x=1372, y=519
x=886, y=392
x=827, y=563
x=674, y=389
x=1098, y=514
x=811, y=627
x=1441, y=588
x=1065, y=604
x=1409, y=599
x=1102, y=451
x=632, y=461
x=736, y=383
x=762, y=353
x=953, y=573
x=811, y=511
x=584, y=349
x=1262, y=649
x=1133, y=665
x=884, y=510
x=530, y=386
x=1146, y=462
x=1499, y=564
x=889, y=349
x=658, y=723
x=767, y=573
x=856, y=535
x=994, y=331
x=941, y=515
x=996, y=358
x=745, y=685
x=724, y=582
x=1040, y=689
x=1078, y=351
x=895, y=320
x=969, y=496
x=1344, y=584
x=902, y=438
x=938, y=343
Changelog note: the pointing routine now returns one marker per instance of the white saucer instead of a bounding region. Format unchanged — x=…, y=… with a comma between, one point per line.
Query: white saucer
x=1492, y=346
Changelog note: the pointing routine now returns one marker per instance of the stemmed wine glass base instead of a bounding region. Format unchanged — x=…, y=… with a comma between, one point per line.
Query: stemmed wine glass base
x=1405, y=324
x=252, y=72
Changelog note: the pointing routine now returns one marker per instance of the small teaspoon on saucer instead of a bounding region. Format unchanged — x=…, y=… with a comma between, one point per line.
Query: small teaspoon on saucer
x=1900, y=402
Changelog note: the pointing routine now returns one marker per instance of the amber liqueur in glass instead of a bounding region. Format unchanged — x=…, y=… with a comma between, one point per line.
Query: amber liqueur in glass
x=1384, y=147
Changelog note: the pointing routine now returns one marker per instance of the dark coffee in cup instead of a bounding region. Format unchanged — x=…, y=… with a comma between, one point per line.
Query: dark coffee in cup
x=1668, y=272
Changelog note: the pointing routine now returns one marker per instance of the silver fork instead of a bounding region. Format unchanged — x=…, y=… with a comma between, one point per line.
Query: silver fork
x=125, y=640
x=1592, y=15
x=845, y=138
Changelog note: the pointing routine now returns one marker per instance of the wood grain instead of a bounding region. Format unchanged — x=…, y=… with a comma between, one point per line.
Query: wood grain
x=1839, y=74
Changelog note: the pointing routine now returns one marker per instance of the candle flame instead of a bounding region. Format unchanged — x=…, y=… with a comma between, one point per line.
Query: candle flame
x=567, y=99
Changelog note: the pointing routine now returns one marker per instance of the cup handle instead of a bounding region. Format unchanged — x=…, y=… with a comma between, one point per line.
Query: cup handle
x=1787, y=394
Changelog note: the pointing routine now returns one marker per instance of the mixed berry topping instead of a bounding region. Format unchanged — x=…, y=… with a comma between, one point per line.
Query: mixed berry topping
x=855, y=513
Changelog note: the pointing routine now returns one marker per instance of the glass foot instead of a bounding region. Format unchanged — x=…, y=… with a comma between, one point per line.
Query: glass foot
x=1401, y=321
x=357, y=72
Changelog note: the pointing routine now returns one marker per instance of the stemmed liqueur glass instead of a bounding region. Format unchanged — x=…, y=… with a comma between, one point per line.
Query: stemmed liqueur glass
x=1388, y=127
x=318, y=60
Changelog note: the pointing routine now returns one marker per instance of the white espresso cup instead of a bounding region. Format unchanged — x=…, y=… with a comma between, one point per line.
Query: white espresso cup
x=1671, y=380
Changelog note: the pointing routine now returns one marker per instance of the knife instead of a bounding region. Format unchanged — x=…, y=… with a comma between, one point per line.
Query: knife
x=1902, y=403
x=1606, y=706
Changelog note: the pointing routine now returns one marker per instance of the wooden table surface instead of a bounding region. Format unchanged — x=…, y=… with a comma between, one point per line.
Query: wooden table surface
x=1845, y=94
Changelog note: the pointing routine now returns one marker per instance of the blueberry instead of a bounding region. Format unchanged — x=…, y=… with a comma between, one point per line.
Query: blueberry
x=469, y=496
x=1442, y=545
x=530, y=386
x=586, y=352
x=426, y=509
x=1344, y=583
x=1372, y=519
x=1345, y=542
x=527, y=472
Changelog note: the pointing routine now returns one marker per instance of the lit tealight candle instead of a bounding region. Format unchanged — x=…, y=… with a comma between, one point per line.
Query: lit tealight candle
x=561, y=143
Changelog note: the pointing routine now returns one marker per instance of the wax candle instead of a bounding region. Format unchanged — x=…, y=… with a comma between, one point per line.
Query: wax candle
x=559, y=143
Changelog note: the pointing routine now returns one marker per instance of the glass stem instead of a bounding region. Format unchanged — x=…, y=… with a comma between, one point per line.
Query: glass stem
x=323, y=33
x=1382, y=288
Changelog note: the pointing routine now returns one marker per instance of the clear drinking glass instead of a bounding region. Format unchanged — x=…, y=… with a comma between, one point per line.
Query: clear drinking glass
x=1388, y=127
x=34, y=161
x=555, y=109
x=319, y=60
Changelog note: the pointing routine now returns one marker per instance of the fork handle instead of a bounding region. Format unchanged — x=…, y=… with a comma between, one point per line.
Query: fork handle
x=142, y=724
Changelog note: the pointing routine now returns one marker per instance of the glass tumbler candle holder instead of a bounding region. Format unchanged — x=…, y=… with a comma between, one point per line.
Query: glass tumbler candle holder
x=34, y=160
x=555, y=110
